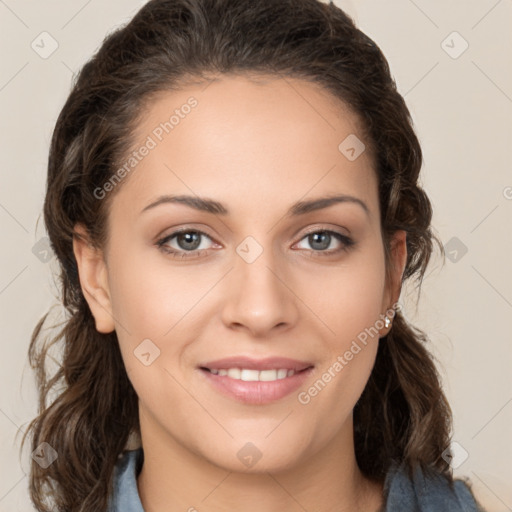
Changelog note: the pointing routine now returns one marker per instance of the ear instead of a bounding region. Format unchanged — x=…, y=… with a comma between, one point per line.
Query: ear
x=398, y=260
x=93, y=275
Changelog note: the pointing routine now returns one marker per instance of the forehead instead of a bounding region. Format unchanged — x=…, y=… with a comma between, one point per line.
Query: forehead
x=242, y=140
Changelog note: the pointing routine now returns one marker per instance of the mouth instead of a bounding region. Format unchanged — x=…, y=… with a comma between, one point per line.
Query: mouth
x=251, y=375
x=256, y=382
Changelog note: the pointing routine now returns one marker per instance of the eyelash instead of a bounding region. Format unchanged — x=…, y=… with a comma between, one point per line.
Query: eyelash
x=347, y=244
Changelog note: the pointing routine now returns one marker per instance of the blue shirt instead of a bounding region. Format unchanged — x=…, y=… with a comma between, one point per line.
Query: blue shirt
x=401, y=494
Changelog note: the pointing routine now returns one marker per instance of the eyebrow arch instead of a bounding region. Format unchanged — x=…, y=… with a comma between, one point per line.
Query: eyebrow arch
x=299, y=208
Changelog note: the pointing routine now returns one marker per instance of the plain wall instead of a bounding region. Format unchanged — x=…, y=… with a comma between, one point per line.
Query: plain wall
x=462, y=110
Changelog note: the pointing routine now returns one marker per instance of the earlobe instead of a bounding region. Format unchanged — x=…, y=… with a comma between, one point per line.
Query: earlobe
x=92, y=272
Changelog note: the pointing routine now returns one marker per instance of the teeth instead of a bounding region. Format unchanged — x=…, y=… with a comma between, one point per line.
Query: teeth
x=234, y=373
x=254, y=375
x=247, y=375
x=269, y=375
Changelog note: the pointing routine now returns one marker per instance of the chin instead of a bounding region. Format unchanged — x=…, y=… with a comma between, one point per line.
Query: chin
x=249, y=457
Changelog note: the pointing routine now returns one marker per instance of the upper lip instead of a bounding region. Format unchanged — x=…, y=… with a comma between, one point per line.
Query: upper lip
x=269, y=363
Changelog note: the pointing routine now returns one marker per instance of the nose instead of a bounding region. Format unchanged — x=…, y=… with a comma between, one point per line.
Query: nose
x=259, y=296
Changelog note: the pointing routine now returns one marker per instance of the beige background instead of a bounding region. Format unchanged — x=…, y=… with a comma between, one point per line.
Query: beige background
x=462, y=108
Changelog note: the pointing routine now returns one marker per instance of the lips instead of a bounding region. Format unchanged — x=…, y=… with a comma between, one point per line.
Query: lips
x=256, y=381
x=248, y=363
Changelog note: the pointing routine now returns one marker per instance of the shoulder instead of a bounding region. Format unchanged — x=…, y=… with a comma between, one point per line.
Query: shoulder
x=125, y=495
x=426, y=492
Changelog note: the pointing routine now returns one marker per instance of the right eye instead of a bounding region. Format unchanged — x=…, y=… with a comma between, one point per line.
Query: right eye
x=188, y=241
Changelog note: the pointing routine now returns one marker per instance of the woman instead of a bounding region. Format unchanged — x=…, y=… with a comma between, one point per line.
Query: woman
x=233, y=198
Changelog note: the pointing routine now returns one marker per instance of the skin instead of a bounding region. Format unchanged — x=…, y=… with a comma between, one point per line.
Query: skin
x=257, y=147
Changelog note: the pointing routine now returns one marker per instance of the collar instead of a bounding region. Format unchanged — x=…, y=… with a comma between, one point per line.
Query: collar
x=432, y=493
x=125, y=497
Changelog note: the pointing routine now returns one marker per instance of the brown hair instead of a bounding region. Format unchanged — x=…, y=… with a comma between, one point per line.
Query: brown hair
x=402, y=415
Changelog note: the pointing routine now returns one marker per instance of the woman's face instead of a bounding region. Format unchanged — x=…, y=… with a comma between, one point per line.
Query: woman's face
x=246, y=278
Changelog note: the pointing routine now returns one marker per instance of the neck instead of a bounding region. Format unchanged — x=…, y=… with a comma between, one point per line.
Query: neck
x=175, y=478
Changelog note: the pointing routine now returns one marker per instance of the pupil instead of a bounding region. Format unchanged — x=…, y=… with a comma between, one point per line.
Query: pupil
x=314, y=239
x=191, y=240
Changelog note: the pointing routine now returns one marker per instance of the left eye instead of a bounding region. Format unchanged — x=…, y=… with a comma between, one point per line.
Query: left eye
x=189, y=241
x=322, y=239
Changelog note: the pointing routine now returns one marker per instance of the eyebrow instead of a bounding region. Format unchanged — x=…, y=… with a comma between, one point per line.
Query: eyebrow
x=299, y=208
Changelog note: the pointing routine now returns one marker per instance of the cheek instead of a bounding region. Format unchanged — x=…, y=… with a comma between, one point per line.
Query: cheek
x=148, y=294
x=347, y=297
x=150, y=302
x=153, y=299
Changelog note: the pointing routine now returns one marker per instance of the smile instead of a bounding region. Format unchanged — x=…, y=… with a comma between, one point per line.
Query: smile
x=255, y=387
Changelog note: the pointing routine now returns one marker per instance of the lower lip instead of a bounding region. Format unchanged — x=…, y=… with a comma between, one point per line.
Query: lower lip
x=256, y=392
